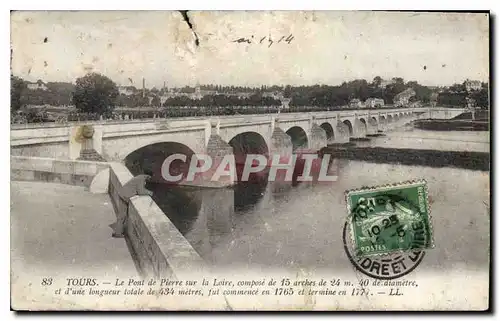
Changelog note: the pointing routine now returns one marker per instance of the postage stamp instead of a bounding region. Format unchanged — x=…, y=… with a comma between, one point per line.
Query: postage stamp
x=386, y=224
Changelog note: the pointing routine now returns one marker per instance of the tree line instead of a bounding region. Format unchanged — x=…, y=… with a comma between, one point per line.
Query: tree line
x=97, y=94
x=457, y=95
x=220, y=100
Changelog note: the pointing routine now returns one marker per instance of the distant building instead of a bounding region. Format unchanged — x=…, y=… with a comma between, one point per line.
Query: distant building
x=472, y=85
x=356, y=103
x=127, y=90
x=434, y=99
x=39, y=85
x=285, y=103
x=197, y=93
x=403, y=98
x=163, y=99
x=374, y=102
x=278, y=95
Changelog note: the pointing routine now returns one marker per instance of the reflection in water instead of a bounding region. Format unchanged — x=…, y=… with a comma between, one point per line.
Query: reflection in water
x=184, y=205
x=302, y=226
x=248, y=194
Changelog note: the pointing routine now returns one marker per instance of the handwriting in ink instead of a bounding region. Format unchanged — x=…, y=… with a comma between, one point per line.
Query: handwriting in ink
x=240, y=40
x=269, y=42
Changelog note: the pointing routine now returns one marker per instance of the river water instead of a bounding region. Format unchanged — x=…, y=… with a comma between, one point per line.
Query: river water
x=302, y=227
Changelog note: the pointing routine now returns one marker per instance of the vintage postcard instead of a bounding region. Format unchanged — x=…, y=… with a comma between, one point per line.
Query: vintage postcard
x=250, y=160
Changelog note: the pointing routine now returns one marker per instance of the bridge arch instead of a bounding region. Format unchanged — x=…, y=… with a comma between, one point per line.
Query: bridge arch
x=298, y=136
x=150, y=158
x=349, y=127
x=249, y=143
x=181, y=207
x=118, y=149
x=328, y=128
x=229, y=132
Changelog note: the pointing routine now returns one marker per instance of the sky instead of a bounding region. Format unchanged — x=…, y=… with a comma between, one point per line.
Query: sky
x=324, y=47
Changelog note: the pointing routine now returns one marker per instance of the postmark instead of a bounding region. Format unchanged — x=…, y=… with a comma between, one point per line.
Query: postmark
x=388, y=228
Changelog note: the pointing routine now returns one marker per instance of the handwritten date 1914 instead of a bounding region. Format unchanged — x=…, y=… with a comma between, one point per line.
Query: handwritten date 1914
x=265, y=40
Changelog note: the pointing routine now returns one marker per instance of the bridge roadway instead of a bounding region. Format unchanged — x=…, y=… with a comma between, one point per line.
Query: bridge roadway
x=56, y=228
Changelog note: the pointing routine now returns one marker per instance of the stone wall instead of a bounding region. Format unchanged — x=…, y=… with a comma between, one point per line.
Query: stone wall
x=57, y=150
x=44, y=141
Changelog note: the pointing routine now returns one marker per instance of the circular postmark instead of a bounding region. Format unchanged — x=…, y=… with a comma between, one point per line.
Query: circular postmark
x=386, y=235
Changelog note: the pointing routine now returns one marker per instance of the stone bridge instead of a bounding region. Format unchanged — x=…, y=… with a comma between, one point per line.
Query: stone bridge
x=263, y=134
